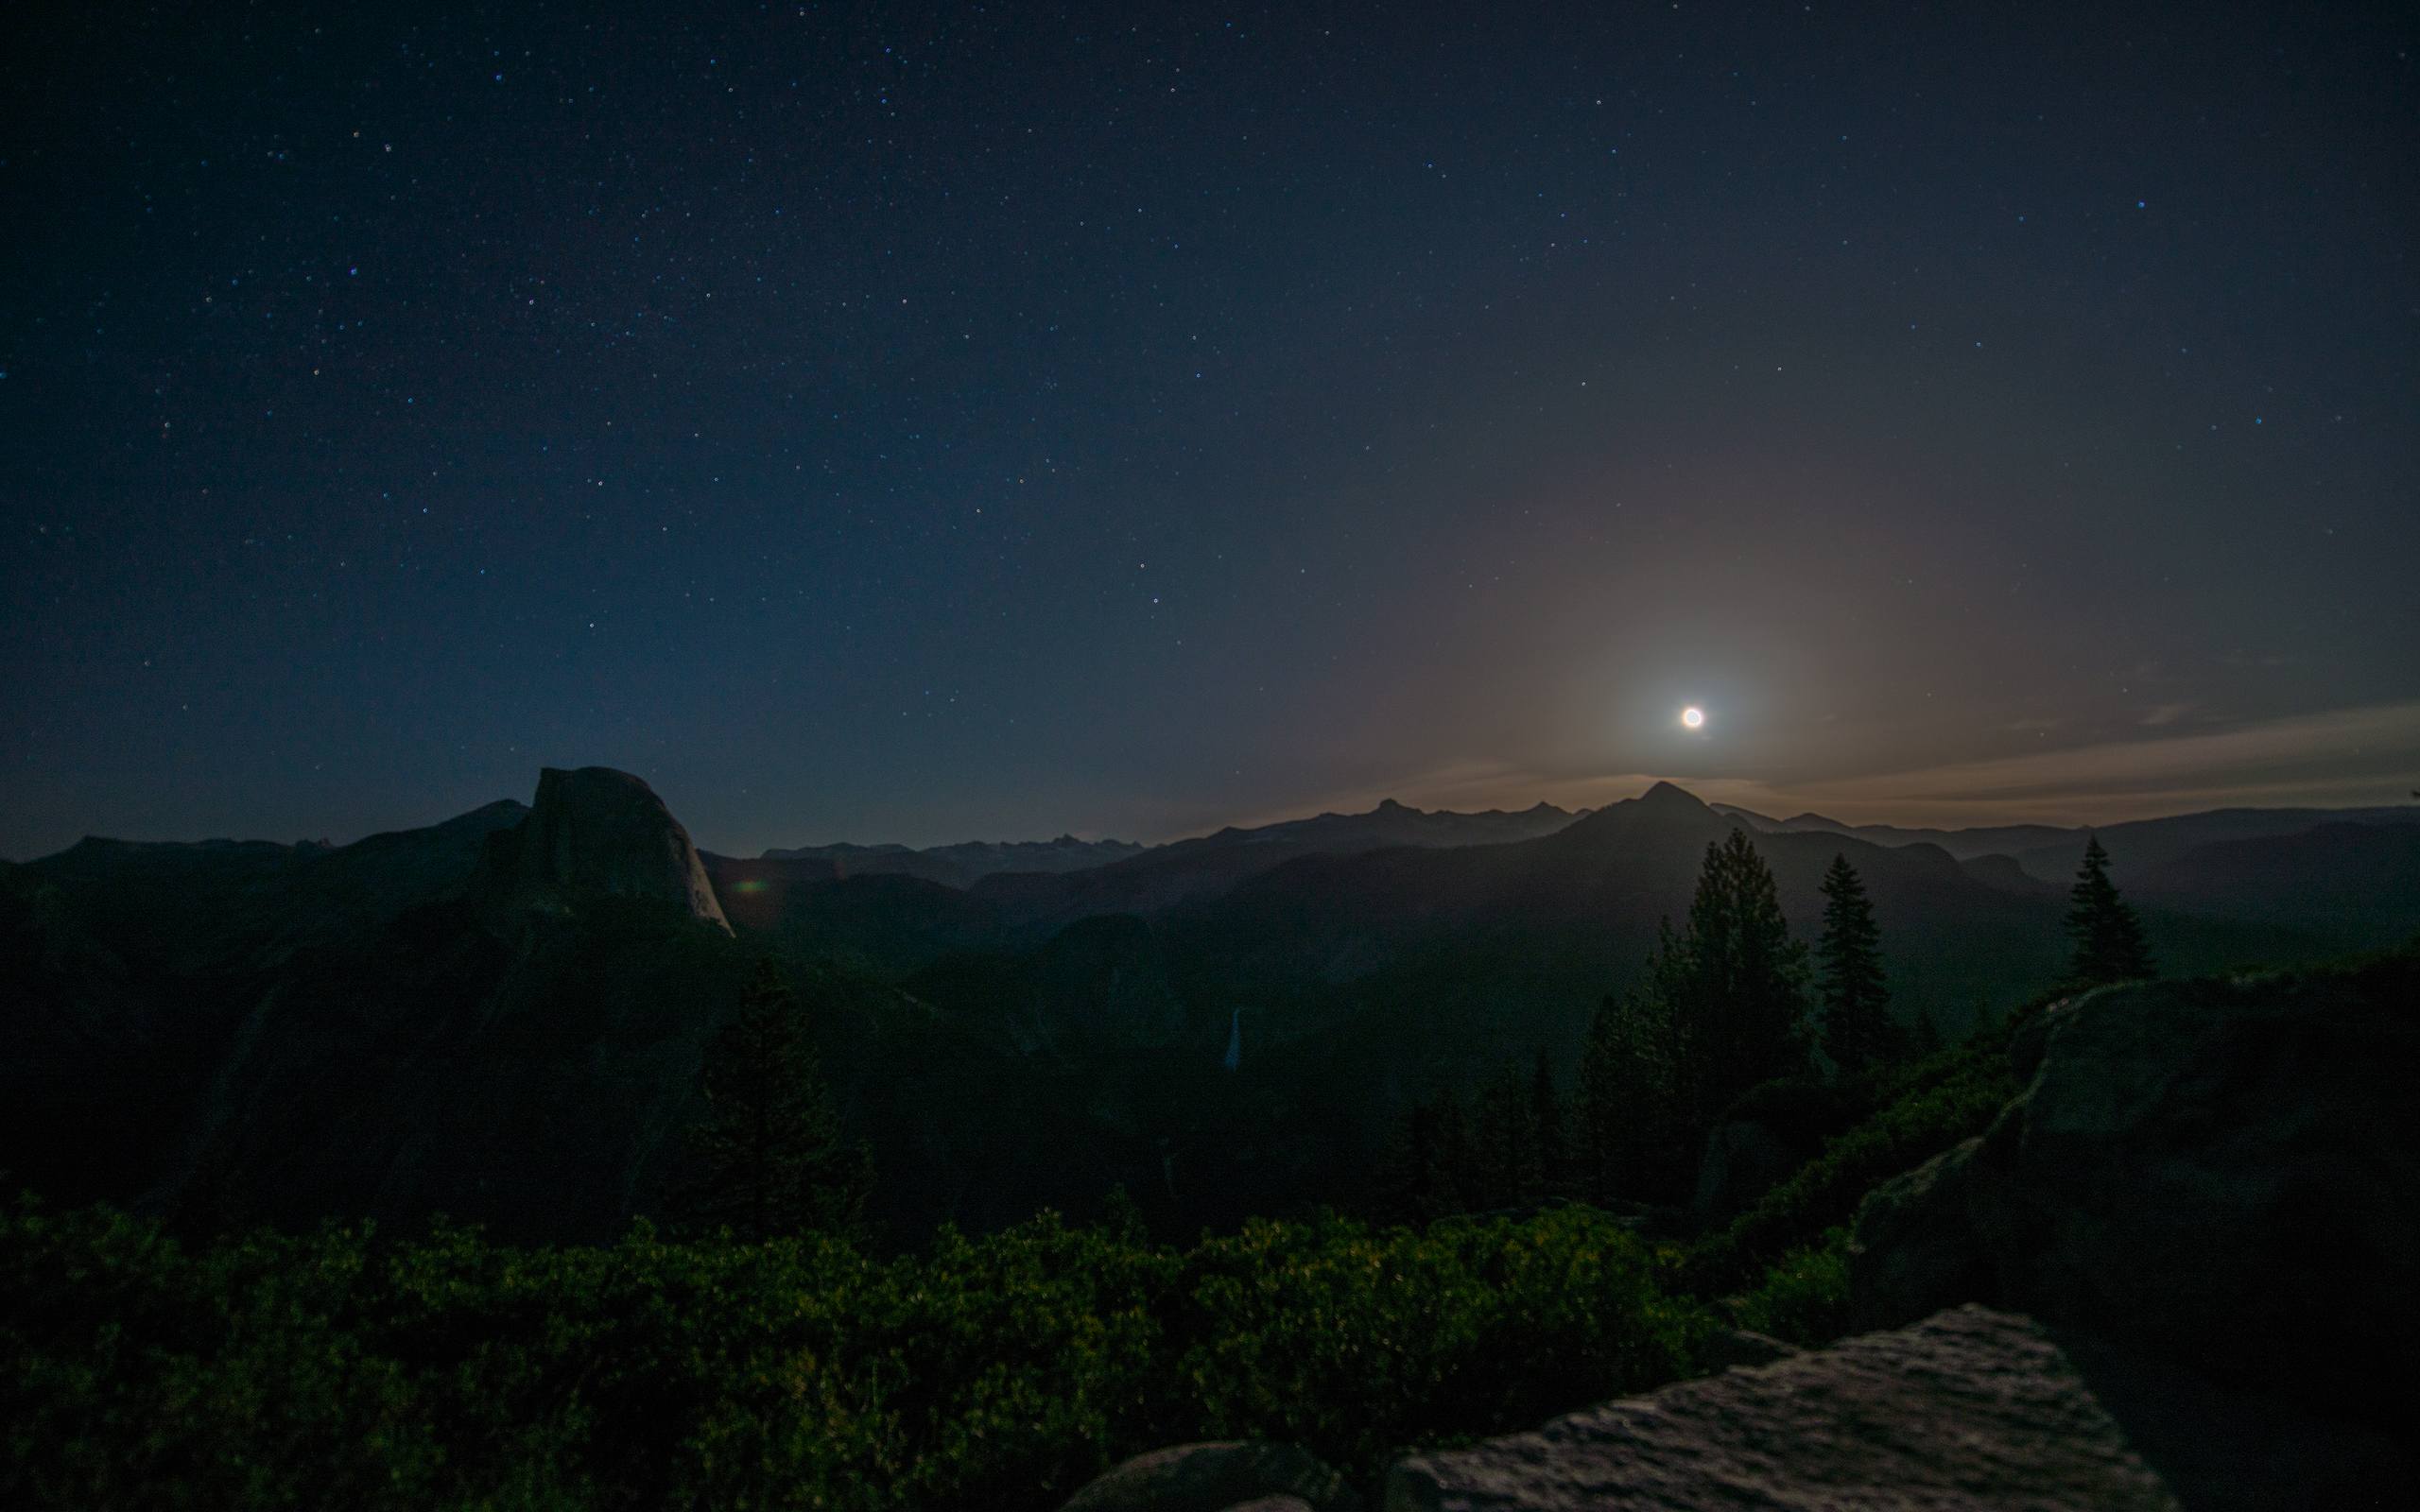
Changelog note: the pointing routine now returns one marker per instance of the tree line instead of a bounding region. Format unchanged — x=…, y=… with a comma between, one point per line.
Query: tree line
x=1729, y=1002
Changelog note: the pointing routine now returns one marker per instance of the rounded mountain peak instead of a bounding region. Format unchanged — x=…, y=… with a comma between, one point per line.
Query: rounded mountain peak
x=597, y=829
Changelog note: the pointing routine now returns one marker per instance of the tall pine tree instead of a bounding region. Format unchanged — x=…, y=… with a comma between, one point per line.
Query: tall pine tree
x=768, y=1158
x=1743, y=986
x=1858, y=1032
x=2109, y=945
x=1720, y=1011
x=1638, y=1118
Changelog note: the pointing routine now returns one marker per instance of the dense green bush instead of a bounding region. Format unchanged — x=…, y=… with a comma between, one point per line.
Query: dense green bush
x=345, y=1368
x=1948, y=1097
x=1803, y=1298
x=1359, y=1342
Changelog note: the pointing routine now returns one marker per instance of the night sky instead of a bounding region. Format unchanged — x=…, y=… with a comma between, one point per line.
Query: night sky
x=877, y=424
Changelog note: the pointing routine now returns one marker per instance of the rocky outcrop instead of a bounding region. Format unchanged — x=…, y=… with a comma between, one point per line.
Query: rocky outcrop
x=2206, y=1198
x=1915, y=1245
x=594, y=830
x=1972, y=1409
x=1219, y=1477
x=2221, y=1174
x=1727, y=1348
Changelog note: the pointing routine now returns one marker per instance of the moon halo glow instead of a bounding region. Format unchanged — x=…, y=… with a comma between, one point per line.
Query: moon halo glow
x=1693, y=717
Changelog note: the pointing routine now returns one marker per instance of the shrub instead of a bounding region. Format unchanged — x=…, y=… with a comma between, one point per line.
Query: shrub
x=347, y=1369
x=1804, y=1298
x=1359, y=1342
x=1950, y=1096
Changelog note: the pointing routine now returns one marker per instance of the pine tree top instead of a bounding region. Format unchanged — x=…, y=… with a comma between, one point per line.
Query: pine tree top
x=2108, y=935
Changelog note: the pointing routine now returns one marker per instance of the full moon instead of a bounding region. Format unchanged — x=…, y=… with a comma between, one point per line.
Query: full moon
x=1693, y=716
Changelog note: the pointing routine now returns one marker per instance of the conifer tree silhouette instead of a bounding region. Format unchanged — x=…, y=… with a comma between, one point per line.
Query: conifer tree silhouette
x=1858, y=1032
x=768, y=1156
x=2109, y=945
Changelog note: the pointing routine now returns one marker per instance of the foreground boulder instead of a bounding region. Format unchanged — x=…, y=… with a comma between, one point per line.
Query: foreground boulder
x=1219, y=1477
x=2223, y=1175
x=1972, y=1409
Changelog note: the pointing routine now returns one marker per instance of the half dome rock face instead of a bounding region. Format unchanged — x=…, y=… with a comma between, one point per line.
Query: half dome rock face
x=594, y=830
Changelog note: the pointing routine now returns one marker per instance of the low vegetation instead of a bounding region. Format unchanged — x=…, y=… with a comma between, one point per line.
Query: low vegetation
x=1802, y=1299
x=1922, y=1110
x=781, y=1362
x=347, y=1369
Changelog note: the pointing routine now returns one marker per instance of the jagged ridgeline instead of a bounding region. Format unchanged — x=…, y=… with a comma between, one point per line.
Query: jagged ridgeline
x=501, y=1017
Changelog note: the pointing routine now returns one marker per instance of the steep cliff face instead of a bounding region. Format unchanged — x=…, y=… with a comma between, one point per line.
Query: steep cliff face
x=597, y=830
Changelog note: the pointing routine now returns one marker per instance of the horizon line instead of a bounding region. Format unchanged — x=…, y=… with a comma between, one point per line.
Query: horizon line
x=1696, y=788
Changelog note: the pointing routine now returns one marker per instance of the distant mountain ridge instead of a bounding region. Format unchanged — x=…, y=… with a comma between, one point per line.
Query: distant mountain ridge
x=500, y=1016
x=1395, y=823
x=964, y=864
x=1964, y=844
x=2355, y=882
x=1191, y=870
x=2051, y=853
x=900, y=917
x=967, y=863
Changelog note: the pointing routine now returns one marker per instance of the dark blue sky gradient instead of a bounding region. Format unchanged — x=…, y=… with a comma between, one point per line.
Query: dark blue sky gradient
x=876, y=422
